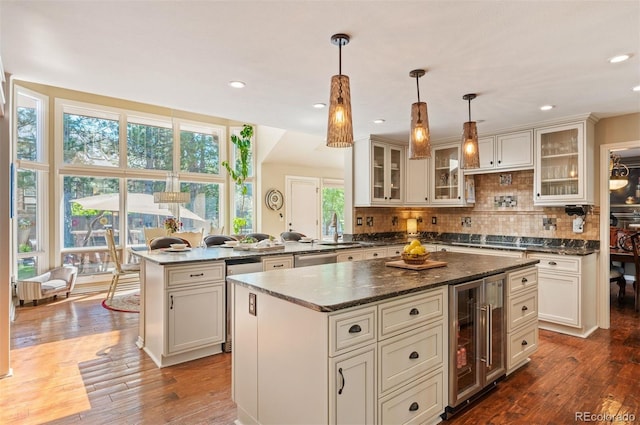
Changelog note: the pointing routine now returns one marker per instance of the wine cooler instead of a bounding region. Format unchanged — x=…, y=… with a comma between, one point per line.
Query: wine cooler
x=477, y=336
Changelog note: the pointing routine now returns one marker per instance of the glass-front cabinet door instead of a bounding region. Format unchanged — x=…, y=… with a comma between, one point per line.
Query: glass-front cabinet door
x=387, y=162
x=446, y=182
x=560, y=169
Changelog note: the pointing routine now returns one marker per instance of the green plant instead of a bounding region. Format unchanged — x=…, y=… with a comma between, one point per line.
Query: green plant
x=240, y=171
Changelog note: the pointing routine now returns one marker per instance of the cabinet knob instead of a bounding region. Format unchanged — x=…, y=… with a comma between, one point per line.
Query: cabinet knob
x=491, y=162
x=350, y=257
x=375, y=254
x=414, y=312
x=414, y=355
x=538, y=195
x=524, y=342
x=426, y=199
x=524, y=308
x=414, y=406
x=553, y=263
x=355, y=329
x=499, y=161
x=524, y=280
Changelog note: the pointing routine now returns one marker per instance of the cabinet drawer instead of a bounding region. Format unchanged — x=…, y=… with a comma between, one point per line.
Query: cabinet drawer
x=522, y=280
x=394, y=251
x=277, y=263
x=420, y=403
x=521, y=344
x=522, y=309
x=190, y=275
x=558, y=262
x=350, y=256
x=408, y=313
x=351, y=330
x=408, y=356
x=370, y=254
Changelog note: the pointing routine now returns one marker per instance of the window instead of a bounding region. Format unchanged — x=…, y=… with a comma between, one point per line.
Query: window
x=90, y=139
x=203, y=211
x=199, y=149
x=149, y=144
x=332, y=202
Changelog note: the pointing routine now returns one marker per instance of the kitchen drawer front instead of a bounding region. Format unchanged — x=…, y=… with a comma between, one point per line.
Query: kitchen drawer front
x=408, y=356
x=277, y=263
x=522, y=280
x=522, y=309
x=521, y=344
x=192, y=275
x=372, y=253
x=351, y=330
x=408, y=313
x=350, y=256
x=394, y=251
x=420, y=403
x=563, y=263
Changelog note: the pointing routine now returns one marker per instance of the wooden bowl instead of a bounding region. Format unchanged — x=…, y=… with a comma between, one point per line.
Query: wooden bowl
x=415, y=259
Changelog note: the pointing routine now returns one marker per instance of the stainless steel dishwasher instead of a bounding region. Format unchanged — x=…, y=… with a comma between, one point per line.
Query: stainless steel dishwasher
x=235, y=267
x=304, y=260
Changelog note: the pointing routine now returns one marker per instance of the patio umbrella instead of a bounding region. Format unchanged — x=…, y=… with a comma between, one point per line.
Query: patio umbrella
x=136, y=203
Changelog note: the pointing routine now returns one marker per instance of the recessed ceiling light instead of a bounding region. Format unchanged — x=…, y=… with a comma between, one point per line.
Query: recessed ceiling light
x=319, y=105
x=636, y=88
x=237, y=84
x=546, y=107
x=378, y=121
x=619, y=58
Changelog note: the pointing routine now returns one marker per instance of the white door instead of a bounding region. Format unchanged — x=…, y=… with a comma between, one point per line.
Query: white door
x=302, y=201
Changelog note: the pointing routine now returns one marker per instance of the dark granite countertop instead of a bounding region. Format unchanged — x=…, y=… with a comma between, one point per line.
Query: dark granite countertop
x=332, y=287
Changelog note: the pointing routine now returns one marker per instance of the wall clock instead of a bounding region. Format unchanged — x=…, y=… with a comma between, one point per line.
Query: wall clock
x=274, y=199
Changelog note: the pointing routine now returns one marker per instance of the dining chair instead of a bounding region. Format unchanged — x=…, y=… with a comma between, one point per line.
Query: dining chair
x=216, y=240
x=120, y=269
x=151, y=233
x=291, y=236
x=166, y=242
x=258, y=236
x=635, y=242
x=194, y=238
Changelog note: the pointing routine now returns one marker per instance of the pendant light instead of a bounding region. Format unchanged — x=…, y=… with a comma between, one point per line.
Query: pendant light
x=470, y=153
x=340, y=127
x=618, y=173
x=420, y=139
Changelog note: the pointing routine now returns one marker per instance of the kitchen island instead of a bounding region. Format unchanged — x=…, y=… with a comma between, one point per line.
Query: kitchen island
x=321, y=345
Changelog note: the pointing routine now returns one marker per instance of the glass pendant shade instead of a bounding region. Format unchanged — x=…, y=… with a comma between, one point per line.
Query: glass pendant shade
x=470, y=152
x=618, y=173
x=340, y=126
x=617, y=182
x=420, y=139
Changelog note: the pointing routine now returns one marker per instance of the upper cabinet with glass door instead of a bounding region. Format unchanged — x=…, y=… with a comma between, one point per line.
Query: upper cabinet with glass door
x=378, y=173
x=447, y=183
x=563, y=154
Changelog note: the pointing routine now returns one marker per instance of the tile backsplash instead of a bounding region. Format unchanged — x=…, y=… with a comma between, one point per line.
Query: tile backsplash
x=500, y=209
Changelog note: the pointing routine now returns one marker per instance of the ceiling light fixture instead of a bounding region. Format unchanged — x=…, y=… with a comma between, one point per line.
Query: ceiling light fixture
x=618, y=173
x=340, y=126
x=420, y=139
x=470, y=152
x=378, y=121
x=636, y=88
x=237, y=84
x=319, y=105
x=619, y=58
x=546, y=107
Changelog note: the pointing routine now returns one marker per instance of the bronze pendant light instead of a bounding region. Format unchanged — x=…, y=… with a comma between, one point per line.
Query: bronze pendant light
x=470, y=152
x=419, y=139
x=340, y=126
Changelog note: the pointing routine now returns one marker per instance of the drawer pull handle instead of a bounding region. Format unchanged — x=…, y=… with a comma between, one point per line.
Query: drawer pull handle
x=553, y=263
x=343, y=381
x=196, y=275
x=414, y=312
x=355, y=329
x=171, y=307
x=524, y=342
x=524, y=308
x=414, y=406
x=414, y=355
x=524, y=280
x=278, y=265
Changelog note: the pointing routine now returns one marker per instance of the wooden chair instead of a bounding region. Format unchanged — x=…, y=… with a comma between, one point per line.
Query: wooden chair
x=120, y=269
x=194, y=238
x=635, y=242
x=150, y=233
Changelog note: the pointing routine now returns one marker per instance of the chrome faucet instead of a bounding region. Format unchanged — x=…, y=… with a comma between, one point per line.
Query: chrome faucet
x=334, y=225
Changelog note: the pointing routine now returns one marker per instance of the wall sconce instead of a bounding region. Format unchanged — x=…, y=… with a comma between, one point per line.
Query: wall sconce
x=412, y=227
x=618, y=173
x=340, y=126
x=470, y=153
x=419, y=139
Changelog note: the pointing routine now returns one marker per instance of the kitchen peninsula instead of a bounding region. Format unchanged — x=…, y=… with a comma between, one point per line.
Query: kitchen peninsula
x=320, y=344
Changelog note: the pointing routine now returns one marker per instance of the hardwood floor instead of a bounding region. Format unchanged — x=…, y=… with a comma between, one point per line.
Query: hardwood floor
x=75, y=362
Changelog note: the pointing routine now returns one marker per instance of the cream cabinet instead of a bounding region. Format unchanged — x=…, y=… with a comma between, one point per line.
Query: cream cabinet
x=567, y=293
x=374, y=364
x=505, y=152
x=378, y=172
x=277, y=262
x=481, y=251
x=350, y=255
x=562, y=172
x=417, y=182
x=184, y=311
x=522, y=317
x=447, y=185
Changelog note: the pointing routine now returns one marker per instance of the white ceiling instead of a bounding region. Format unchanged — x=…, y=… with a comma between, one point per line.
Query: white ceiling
x=517, y=55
